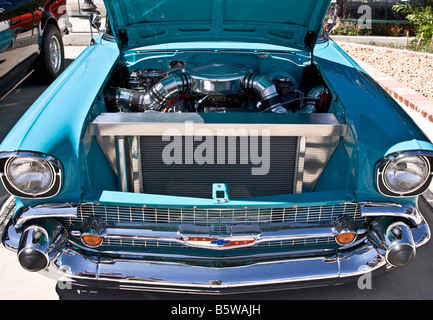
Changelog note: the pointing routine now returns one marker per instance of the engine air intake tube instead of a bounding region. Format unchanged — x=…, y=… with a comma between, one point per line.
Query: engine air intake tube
x=263, y=87
x=158, y=95
x=182, y=82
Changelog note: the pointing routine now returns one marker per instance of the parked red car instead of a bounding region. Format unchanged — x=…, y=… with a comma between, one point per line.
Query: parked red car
x=31, y=39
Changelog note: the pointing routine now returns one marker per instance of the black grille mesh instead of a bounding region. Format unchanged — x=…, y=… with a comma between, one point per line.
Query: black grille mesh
x=195, y=180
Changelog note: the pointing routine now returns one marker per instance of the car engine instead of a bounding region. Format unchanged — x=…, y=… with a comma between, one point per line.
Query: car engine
x=214, y=88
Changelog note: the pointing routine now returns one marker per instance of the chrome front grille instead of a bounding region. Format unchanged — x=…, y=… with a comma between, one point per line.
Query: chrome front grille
x=133, y=243
x=211, y=217
x=215, y=222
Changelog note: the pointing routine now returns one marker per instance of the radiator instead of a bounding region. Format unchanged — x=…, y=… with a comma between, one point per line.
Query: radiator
x=300, y=146
x=186, y=176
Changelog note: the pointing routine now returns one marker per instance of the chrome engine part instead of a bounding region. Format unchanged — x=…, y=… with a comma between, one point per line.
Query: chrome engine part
x=210, y=88
x=218, y=79
x=157, y=96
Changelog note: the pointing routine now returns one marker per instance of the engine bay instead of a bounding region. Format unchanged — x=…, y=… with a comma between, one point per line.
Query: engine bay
x=189, y=83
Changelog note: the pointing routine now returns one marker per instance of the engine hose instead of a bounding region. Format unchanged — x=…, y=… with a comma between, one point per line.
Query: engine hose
x=156, y=97
x=263, y=87
x=181, y=82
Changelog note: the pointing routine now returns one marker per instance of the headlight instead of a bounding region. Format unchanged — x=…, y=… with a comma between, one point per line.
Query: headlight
x=405, y=174
x=31, y=175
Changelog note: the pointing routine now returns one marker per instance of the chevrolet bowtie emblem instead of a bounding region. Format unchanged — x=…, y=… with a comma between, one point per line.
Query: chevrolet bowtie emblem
x=220, y=243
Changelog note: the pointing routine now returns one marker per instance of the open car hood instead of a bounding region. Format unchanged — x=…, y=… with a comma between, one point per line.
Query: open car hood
x=288, y=23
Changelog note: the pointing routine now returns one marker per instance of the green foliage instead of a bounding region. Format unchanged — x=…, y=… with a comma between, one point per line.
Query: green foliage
x=422, y=18
x=378, y=29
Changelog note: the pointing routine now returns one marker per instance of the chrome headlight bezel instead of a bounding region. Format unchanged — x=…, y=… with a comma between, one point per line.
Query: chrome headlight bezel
x=54, y=166
x=383, y=164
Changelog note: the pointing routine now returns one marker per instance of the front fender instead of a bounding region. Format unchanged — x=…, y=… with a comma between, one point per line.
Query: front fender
x=46, y=17
x=376, y=121
x=56, y=122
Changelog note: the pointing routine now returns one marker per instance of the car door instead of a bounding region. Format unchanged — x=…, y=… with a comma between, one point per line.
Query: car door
x=19, y=35
x=7, y=58
x=23, y=26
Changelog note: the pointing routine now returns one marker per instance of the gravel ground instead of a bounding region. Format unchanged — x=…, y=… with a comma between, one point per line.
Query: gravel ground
x=414, y=71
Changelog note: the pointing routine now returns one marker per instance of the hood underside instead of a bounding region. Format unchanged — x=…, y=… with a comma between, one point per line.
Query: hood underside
x=289, y=23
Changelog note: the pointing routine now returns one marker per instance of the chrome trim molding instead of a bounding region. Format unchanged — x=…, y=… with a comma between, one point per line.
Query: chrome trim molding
x=142, y=124
x=318, y=152
x=124, y=164
x=7, y=207
x=300, y=163
x=217, y=242
x=136, y=164
x=233, y=216
x=71, y=264
x=47, y=210
x=389, y=209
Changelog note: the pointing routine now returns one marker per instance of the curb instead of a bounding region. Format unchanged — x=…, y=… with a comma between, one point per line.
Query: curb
x=387, y=50
x=77, y=39
x=401, y=93
x=379, y=40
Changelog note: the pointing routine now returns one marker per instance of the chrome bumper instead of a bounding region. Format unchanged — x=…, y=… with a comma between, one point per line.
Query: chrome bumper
x=177, y=277
x=146, y=271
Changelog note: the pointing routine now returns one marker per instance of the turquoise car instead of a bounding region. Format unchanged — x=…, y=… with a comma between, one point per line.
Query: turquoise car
x=214, y=147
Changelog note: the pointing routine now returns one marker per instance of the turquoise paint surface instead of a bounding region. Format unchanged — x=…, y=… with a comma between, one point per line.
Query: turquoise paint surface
x=288, y=200
x=149, y=22
x=56, y=122
x=376, y=121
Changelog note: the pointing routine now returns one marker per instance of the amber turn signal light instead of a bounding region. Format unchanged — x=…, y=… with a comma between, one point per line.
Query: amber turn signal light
x=345, y=237
x=92, y=240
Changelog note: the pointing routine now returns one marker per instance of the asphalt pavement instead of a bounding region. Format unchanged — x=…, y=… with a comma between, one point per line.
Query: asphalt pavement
x=414, y=281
